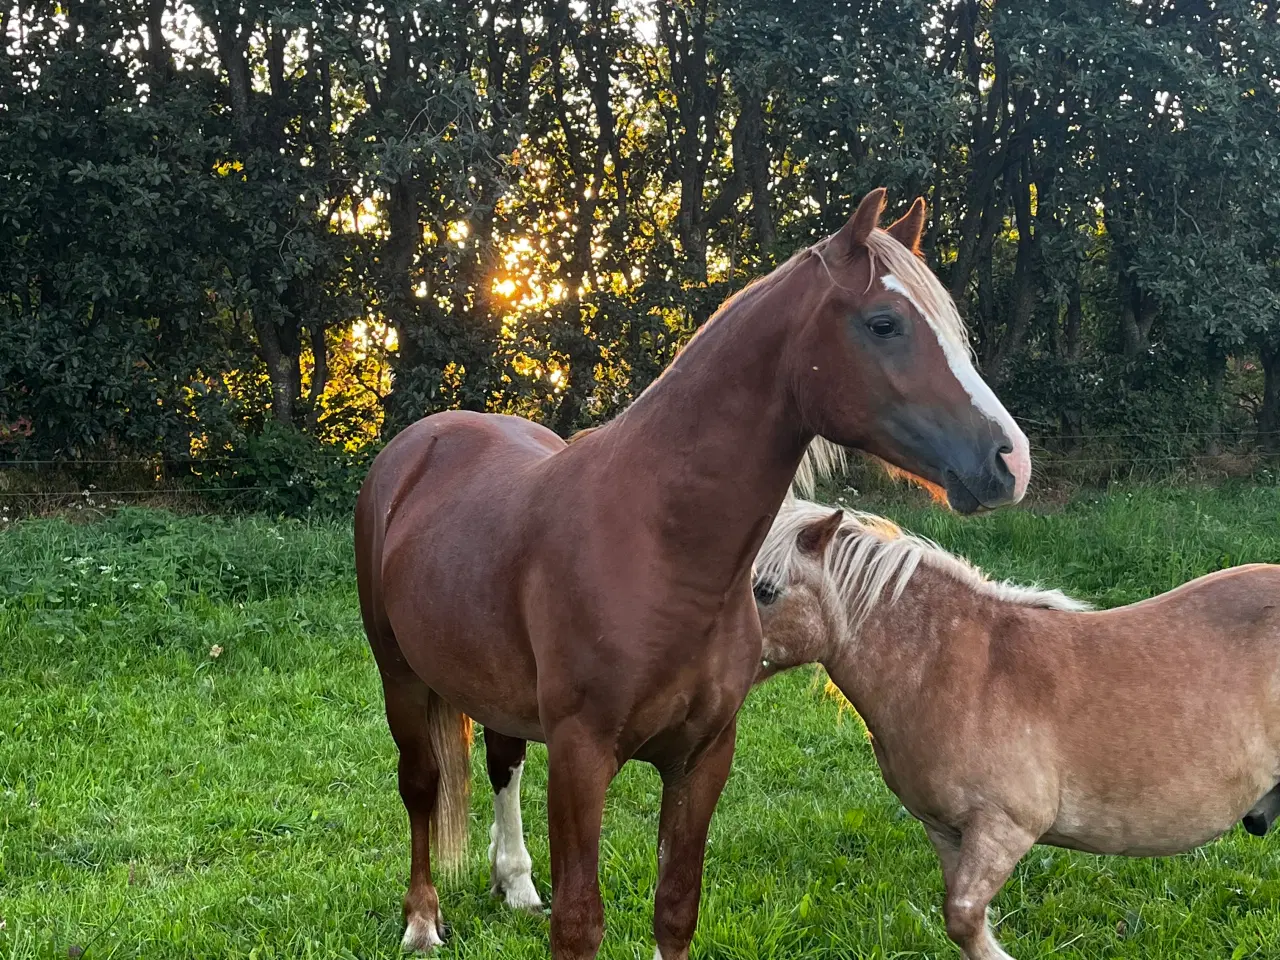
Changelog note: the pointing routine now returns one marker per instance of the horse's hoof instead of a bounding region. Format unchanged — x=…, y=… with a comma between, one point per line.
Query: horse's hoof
x=1255, y=823
x=422, y=935
x=519, y=894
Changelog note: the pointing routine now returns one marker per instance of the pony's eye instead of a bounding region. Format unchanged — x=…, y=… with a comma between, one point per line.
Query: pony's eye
x=884, y=327
x=765, y=591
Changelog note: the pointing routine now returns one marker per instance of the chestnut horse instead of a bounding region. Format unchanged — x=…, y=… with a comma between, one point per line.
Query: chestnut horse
x=596, y=596
x=1006, y=716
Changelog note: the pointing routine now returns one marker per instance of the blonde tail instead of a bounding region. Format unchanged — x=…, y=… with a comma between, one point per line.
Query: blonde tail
x=450, y=733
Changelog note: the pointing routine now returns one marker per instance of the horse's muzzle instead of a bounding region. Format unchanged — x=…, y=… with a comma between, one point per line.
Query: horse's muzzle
x=992, y=484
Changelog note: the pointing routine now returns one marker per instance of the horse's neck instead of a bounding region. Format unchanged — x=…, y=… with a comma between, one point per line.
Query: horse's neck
x=888, y=662
x=718, y=436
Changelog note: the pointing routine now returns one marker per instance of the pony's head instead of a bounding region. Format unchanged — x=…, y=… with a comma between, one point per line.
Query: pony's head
x=883, y=364
x=800, y=612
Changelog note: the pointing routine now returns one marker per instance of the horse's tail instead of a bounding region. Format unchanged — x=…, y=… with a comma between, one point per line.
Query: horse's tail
x=450, y=733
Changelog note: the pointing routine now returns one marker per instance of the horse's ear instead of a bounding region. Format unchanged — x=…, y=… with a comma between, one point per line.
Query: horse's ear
x=907, y=231
x=865, y=219
x=816, y=537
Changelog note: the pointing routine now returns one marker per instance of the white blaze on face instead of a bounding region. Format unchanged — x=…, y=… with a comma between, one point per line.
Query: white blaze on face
x=1019, y=459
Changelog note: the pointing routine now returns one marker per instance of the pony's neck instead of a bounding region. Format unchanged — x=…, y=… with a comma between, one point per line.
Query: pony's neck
x=890, y=661
x=723, y=431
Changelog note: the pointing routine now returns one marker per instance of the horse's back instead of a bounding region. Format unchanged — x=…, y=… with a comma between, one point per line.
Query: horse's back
x=448, y=470
x=1237, y=597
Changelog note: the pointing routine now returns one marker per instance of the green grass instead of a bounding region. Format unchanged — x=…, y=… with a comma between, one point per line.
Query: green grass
x=159, y=802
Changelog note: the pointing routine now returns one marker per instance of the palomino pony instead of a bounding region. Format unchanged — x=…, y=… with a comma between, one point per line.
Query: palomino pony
x=1004, y=716
x=597, y=596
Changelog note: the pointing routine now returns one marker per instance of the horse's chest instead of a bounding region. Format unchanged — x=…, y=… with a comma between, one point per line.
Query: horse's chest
x=688, y=698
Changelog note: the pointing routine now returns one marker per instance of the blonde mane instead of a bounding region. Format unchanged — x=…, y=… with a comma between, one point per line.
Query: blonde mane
x=822, y=459
x=870, y=557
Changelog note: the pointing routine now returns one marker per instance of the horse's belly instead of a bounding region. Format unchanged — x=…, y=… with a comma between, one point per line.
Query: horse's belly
x=1135, y=842
x=1151, y=829
x=483, y=675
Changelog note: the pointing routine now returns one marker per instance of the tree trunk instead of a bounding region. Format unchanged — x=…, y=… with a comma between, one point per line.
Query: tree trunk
x=1024, y=296
x=319, y=373
x=404, y=222
x=755, y=153
x=158, y=54
x=282, y=367
x=404, y=235
x=984, y=255
x=231, y=38
x=697, y=92
x=1075, y=314
x=1269, y=415
x=1217, y=382
x=1135, y=325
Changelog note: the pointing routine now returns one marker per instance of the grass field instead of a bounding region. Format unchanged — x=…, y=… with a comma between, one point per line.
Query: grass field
x=159, y=801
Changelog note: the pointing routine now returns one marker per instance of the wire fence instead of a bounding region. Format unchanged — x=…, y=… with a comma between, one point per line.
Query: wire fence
x=140, y=492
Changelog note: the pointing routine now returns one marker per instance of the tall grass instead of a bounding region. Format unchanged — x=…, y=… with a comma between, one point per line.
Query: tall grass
x=194, y=763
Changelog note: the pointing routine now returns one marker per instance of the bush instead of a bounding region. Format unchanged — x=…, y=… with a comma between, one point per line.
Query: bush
x=283, y=470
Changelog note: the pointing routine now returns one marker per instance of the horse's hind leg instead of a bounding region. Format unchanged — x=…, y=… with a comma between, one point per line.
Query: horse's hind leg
x=510, y=867
x=408, y=700
x=974, y=870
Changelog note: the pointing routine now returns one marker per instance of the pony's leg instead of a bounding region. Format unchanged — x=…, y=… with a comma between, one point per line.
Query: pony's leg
x=579, y=767
x=974, y=870
x=689, y=799
x=408, y=699
x=510, y=867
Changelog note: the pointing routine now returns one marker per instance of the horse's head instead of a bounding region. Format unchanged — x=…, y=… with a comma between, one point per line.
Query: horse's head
x=882, y=364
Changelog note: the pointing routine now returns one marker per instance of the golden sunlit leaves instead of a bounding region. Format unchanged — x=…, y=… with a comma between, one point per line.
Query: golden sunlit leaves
x=362, y=218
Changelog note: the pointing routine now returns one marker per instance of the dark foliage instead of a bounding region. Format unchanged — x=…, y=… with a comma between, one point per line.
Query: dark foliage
x=268, y=235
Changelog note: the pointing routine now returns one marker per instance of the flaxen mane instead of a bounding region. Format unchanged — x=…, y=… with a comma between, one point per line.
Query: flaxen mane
x=871, y=556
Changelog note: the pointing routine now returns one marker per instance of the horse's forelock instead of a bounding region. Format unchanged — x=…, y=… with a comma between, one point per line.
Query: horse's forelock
x=902, y=271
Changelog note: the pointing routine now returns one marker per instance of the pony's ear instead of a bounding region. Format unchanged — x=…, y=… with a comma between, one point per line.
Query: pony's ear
x=865, y=219
x=816, y=537
x=907, y=231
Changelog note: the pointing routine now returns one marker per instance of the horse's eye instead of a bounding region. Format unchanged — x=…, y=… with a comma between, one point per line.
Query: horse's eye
x=884, y=327
x=765, y=591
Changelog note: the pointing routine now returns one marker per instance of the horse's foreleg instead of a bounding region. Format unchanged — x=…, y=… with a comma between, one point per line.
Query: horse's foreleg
x=974, y=870
x=688, y=800
x=510, y=867
x=408, y=700
x=579, y=767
